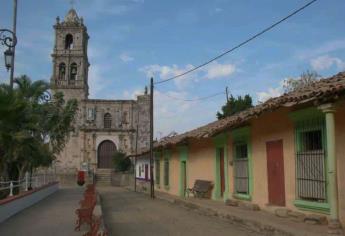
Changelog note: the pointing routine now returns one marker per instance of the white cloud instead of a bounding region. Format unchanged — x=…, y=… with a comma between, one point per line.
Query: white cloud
x=173, y=114
x=125, y=57
x=325, y=62
x=271, y=92
x=214, y=70
x=166, y=72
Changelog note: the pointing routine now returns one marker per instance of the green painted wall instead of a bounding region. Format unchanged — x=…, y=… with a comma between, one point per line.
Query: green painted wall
x=183, y=153
x=220, y=141
x=243, y=135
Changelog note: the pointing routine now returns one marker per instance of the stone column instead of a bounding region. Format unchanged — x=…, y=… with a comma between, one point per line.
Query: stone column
x=332, y=188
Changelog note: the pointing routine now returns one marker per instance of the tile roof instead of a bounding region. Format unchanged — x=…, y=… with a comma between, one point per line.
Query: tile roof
x=323, y=90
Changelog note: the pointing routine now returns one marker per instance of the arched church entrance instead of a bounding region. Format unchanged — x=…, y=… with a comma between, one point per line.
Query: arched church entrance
x=105, y=153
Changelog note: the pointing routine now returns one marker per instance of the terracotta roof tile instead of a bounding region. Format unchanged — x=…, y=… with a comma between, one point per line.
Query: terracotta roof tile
x=323, y=89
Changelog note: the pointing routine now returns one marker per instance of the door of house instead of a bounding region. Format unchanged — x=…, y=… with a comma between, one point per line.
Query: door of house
x=184, y=176
x=275, y=173
x=222, y=175
x=106, y=151
x=146, y=171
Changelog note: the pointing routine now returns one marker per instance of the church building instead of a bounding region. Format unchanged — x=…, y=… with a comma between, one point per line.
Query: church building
x=102, y=127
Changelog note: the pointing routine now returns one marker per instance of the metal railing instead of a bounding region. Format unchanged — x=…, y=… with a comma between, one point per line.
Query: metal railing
x=27, y=183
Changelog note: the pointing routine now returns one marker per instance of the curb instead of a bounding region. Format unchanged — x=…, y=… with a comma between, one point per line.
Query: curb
x=99, y=212
x=252, y=225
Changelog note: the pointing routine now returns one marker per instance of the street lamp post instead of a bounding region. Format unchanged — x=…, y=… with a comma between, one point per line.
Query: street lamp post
x=8, y=39
x=8, y=58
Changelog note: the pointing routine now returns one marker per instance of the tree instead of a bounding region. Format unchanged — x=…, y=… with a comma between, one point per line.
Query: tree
x=121, y=161
x=235, y=105
x=306, y=78
x=33, y=129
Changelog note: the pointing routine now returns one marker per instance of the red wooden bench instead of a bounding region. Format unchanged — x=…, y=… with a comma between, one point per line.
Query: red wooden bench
x=88, y=201
x=84, y=215
x=91, y=188
x=95, y=228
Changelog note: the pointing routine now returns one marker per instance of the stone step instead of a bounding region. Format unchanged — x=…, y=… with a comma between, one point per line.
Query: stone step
x=103, y=184
x=103, y=170
x=103, y=177
x=105, y=180
x=103, y=174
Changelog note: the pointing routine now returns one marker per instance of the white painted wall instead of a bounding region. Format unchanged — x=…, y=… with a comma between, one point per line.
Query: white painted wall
x=140, y=168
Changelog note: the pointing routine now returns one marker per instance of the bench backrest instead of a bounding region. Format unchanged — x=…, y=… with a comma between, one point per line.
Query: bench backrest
x=202, y=185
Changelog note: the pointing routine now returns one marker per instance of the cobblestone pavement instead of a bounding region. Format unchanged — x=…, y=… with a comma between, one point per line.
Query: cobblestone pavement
x=130, y=213
x=49, y=217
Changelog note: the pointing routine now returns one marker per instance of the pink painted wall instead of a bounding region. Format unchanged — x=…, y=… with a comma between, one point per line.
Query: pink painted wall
x=200, y=163
x=268, y=127
x=280, y=128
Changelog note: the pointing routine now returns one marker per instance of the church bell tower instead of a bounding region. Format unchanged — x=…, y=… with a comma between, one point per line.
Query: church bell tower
x=70, y=61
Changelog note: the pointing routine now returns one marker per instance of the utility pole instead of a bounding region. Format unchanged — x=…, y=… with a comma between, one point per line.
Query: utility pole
x=14, y=29
x=151, y=140
x=136, y=154
x=227, y=93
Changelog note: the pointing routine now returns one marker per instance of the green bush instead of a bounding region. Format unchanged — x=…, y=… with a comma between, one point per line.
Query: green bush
x=121, y=162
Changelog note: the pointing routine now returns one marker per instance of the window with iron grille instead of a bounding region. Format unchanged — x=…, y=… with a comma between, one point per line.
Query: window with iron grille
x=166, y=172
x=158, y=171
x=310, y=158
x=107, y=121
x=241, y=170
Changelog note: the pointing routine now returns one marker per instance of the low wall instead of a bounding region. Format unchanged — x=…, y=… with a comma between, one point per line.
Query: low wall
x=15, y=204
x=143, y=185
x=122, y=179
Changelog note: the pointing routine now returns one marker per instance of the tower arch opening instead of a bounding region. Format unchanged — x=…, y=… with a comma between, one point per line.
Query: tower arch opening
x=69, y=41
x=74, y=71
x=62, y=71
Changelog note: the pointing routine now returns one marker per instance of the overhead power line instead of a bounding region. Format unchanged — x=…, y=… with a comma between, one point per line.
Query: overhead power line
x=239, y=45
x=194, y=99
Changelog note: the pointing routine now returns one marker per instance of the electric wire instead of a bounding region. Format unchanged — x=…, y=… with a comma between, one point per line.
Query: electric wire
x=194, y=99
x=239, y=45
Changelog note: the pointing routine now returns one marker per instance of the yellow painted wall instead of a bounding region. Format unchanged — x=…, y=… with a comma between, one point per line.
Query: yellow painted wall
x=200, y=165
x=174, y=170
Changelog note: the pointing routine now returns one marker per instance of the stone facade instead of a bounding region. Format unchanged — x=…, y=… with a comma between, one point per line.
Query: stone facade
x=97, y=120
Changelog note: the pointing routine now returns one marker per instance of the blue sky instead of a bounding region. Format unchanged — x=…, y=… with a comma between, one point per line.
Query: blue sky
x=131, y=40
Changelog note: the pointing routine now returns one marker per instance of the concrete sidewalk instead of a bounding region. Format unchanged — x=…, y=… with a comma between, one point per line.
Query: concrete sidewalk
x=53, y=216
x=258, y=221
